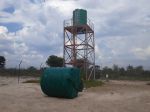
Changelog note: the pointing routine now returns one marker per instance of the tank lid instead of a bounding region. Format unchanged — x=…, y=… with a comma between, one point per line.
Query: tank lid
x=79, y=9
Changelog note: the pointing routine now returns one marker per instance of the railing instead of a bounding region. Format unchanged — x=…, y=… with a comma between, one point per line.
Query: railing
x=69, y=22
x=90, y=24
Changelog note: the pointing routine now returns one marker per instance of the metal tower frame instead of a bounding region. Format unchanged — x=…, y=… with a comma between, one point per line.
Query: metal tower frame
x=79, y=43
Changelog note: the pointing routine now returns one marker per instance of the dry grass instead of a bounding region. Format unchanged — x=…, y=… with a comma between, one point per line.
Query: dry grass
x=87, y=84
x=92, y=83
x=32, y=81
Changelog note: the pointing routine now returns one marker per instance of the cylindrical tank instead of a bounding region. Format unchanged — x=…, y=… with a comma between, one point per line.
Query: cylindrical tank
x=79, y=17
x=61, y=82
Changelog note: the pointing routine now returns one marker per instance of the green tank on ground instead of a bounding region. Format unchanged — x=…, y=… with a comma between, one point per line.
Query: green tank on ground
x=61, y=82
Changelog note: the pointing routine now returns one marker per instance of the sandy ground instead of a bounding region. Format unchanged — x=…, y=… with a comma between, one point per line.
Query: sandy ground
x=114, y=96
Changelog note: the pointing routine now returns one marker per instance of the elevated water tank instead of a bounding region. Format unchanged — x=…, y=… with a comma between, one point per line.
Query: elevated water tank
x=79, y=17
x=61, y=82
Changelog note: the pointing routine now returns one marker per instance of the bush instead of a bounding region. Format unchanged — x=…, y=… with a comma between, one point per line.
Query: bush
x=92, y=83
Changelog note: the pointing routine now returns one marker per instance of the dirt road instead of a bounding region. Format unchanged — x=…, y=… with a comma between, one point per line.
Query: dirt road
x=114, y=96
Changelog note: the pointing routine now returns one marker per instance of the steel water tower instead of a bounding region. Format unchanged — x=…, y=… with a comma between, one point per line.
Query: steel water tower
x=79, y=43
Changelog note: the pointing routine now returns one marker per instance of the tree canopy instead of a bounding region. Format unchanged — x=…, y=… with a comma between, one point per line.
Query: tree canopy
x=128, y=73
x=54, y=61
x=2, y=61
x=32, y=68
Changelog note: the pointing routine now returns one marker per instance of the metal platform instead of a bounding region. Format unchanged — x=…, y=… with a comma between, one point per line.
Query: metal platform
x=79, y=44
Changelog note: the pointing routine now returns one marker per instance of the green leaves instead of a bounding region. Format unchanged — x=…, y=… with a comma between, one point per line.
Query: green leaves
x=54, y=61
x=2, y=61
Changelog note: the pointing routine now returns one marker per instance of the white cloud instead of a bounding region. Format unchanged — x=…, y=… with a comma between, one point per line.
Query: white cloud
x=36, y=40
x=63, y=6
x=142, y=53
x=3, y=30
x=121, y=30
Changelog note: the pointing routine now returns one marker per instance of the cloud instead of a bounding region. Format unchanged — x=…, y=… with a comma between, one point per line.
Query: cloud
x=142, y=53
x=37, y=39
x=9, y=9
x=32, y=30
x=3, y=29
x=12, y=27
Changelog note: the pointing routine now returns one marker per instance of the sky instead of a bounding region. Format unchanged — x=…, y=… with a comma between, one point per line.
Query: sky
x=32, y=30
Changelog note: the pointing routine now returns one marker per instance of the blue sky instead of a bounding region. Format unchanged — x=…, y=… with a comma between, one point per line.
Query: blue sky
x=31, y=30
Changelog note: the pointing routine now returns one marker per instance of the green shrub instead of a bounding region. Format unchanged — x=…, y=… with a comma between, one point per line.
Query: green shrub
x=92, y=83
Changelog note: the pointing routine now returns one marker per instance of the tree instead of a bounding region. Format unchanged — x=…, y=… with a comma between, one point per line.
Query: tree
x=130, y=68
x=2, y=61
x=139, y=70
x=54, y=61
x=122, y=71
x=107, y=70
x=32, y=68
x=115, y=68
